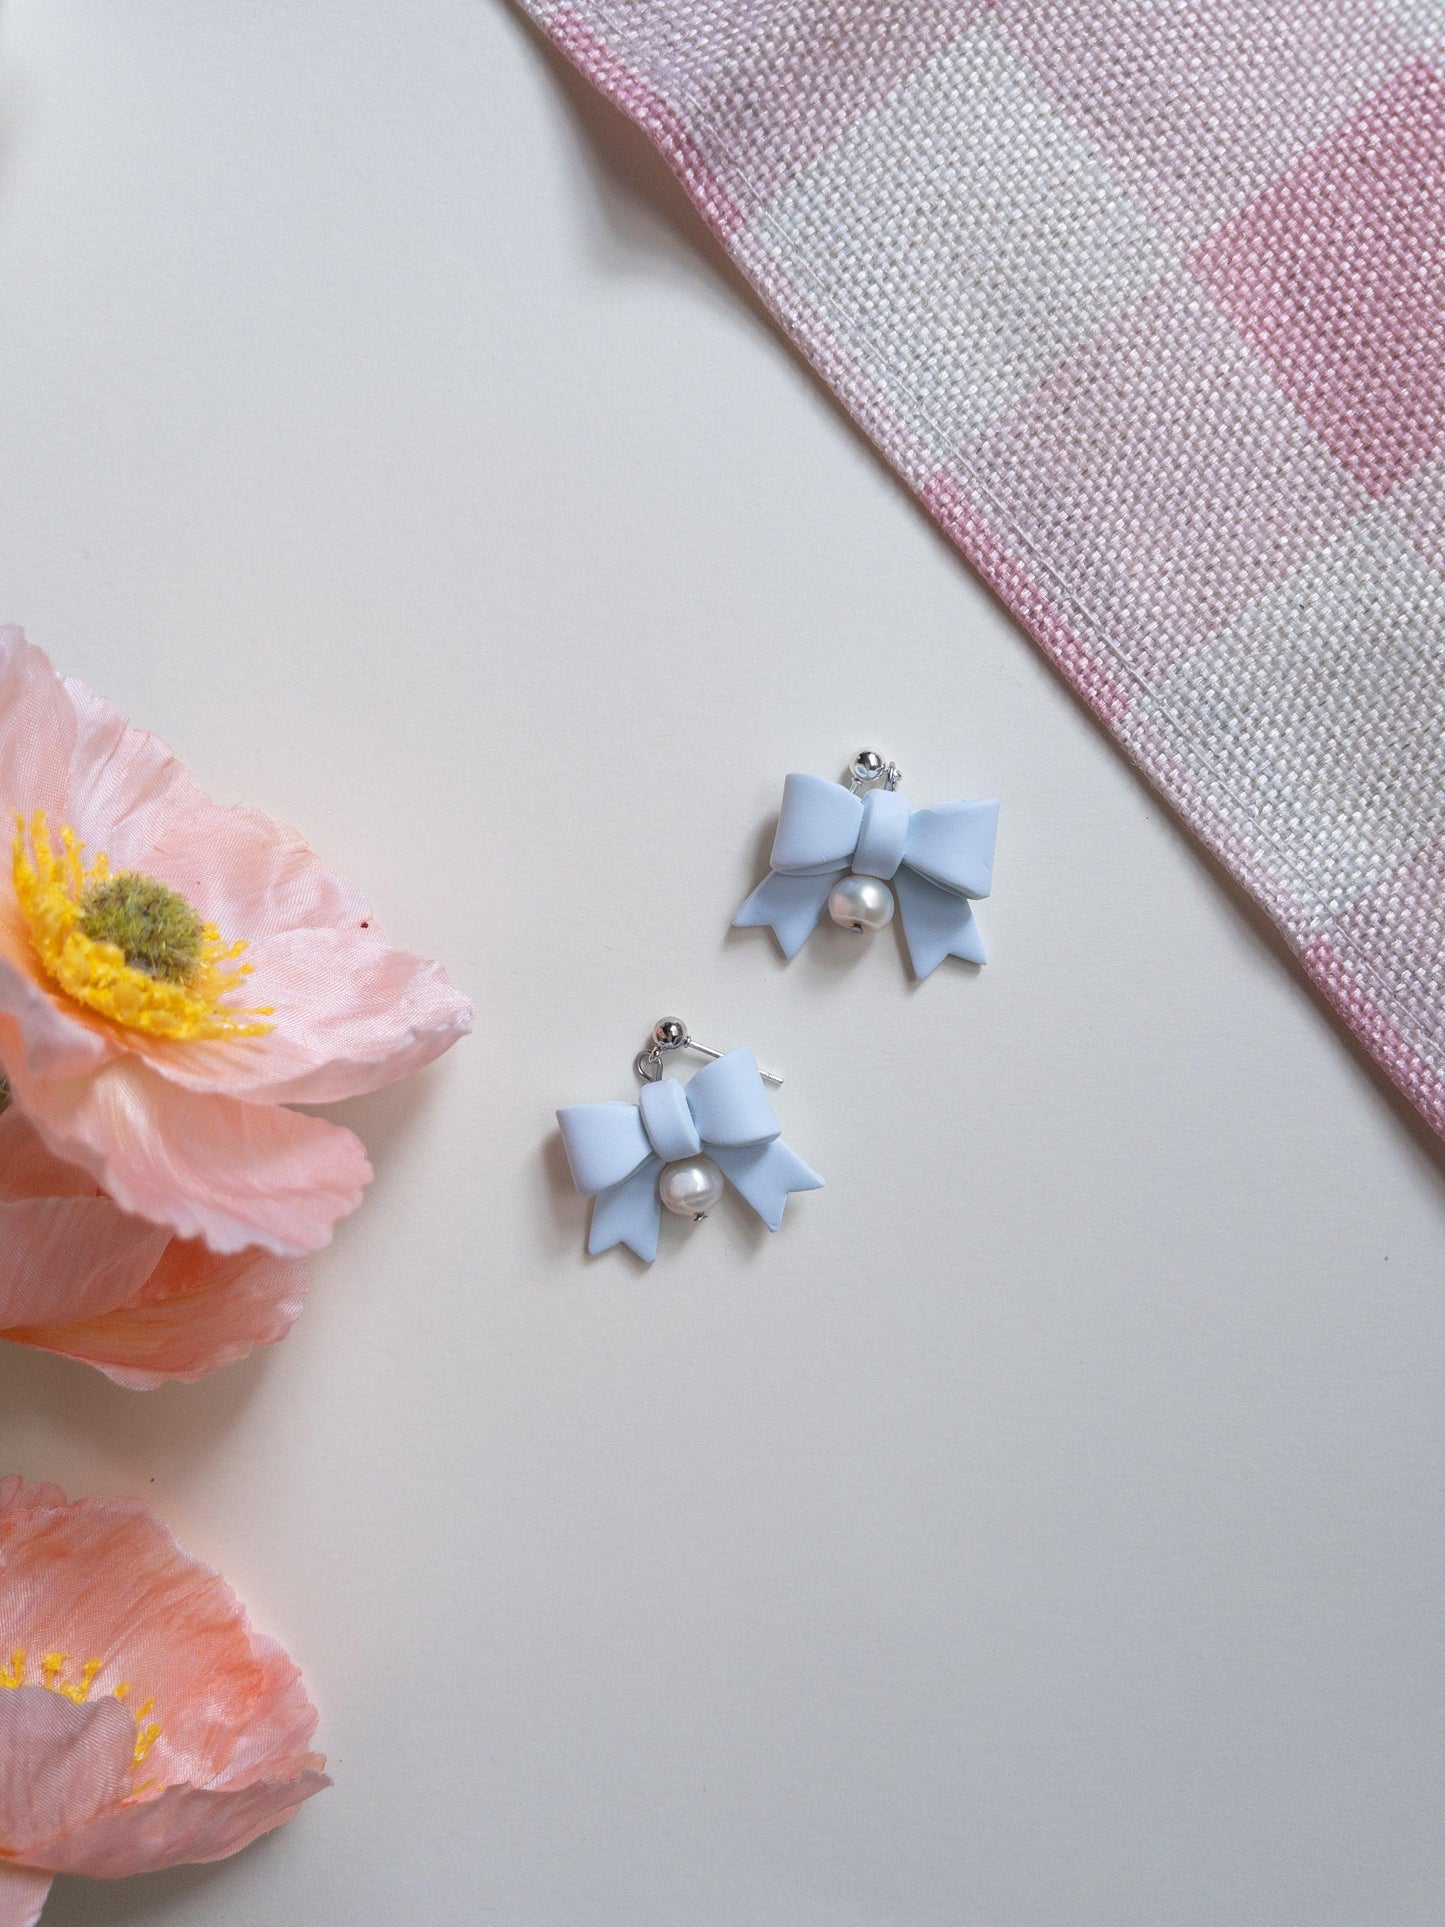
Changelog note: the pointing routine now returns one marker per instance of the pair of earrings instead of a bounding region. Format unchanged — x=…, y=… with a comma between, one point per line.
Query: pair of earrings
x=837, y=846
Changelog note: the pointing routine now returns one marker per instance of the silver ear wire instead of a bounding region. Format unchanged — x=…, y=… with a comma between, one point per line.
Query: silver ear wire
x=671, y=1033
x=869, y=767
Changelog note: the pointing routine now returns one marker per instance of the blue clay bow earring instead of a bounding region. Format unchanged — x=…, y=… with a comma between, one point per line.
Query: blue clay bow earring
x=842, y=848
x=633, y=1160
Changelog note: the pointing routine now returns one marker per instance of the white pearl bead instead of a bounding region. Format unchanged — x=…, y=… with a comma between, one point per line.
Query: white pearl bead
x=691, y=1187
x=861, y=903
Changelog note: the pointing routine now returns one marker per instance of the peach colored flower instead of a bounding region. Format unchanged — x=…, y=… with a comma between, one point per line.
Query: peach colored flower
x=80, y=1277
x=173, y=974
x=142, y=1723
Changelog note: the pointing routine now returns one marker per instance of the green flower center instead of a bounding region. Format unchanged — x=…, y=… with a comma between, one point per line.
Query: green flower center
x=153, y=926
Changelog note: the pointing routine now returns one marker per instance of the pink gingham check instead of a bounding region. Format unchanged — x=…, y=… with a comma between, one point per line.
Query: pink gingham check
x=1146, y=301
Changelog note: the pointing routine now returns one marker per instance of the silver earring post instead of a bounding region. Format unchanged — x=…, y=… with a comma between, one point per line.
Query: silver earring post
x=869, y=767
x=669, y=1034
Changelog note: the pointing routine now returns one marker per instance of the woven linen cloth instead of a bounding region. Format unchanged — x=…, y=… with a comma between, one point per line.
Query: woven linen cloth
x=1145, y=299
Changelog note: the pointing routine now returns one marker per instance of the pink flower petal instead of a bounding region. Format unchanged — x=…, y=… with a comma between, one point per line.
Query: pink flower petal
x=66, y=1252
x=183, y=1825
x=19, y=1495
x=351, y=1015
x=60, y=1765
x=41, y=1034
x=81, y=1278
x=29, y=1169
x=197, y=1313
x=37, y=729
x=208, y=1166
x=63, y=1259
x=276, y=1742
x=23, y=1894
x=129, y=796
x=123, y=784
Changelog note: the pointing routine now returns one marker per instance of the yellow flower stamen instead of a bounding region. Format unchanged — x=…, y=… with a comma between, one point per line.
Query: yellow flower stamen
x=53, y=1666
x=52, y=1670
x=80, y=1693
x=125, y=946
x=146, y=1735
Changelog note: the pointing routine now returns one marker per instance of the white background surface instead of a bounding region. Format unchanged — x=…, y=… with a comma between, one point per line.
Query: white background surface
x=1043, y=1530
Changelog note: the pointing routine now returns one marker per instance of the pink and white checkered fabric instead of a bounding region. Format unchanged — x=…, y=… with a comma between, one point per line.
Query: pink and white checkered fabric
x=1146, y=301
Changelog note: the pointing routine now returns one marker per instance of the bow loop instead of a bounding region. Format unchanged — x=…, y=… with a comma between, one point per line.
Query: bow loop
x=818, y=827
x=605, y=1144
x=952, y=845
x=730, y=1104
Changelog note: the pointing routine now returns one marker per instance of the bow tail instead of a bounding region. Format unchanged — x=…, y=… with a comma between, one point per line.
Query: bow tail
x=628, y=1213
x=937, y=923
x=791, y=905
x=765, y=1174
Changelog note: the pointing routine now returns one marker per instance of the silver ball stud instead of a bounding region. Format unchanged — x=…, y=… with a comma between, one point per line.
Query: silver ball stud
x=861, y=903
x=690, y=1188
x=867, y=766
x=670, y=1034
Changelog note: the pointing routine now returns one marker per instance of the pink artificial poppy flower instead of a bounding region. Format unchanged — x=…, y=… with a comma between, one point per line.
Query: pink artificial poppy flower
x=80, y=1277
x=142, y=1723
x=173, y=974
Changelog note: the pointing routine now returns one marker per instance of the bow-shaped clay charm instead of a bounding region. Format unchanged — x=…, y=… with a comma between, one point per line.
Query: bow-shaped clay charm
x=936, y=860
x=618, y=1152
